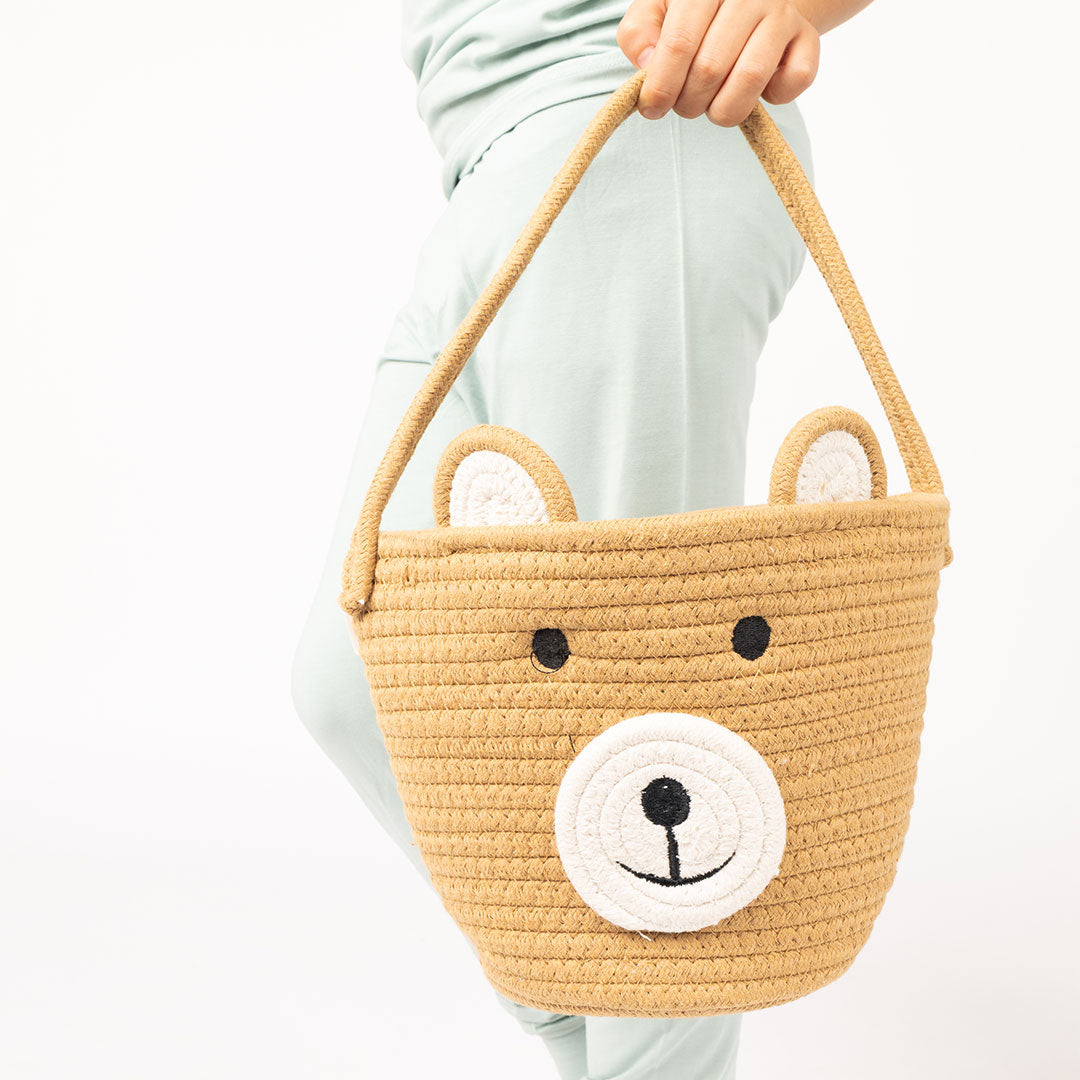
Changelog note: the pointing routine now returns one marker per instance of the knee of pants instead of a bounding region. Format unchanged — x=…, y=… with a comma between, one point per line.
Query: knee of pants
x=331, y=697
x=313, y=701
x=329, y=690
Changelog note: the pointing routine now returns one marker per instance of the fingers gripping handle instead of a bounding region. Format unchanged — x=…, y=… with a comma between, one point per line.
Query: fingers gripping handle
x=798, y=197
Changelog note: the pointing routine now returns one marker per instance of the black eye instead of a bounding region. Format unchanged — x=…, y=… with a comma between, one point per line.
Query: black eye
x=549, y=649
x=750, y=637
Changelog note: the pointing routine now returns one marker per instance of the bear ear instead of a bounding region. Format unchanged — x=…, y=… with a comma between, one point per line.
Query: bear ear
x=832, y=455
x=491, y=475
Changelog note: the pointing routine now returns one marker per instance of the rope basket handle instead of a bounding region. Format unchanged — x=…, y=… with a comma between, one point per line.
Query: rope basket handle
x=797, y=195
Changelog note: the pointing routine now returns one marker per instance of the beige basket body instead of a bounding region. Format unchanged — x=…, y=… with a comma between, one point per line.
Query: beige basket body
x=484, y=741
x=479, y=737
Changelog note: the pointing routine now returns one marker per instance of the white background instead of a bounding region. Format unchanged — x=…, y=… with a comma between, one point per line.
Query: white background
x=210, y=211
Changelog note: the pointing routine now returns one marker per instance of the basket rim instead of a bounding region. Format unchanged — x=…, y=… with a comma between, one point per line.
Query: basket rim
x=685, y=528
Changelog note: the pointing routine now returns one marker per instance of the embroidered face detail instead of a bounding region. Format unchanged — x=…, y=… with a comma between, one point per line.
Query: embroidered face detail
x=550, y=649
x=751, y=637
x=669, y=822
x=664, y=821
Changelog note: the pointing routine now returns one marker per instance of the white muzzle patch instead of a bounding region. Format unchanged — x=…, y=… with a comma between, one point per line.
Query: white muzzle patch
x=669, y=822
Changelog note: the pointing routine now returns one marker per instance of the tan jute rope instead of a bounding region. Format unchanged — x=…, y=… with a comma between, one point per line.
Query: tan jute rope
x=797, y=194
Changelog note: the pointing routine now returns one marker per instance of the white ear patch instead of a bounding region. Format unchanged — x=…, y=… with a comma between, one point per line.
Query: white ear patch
x=490, y=488
x=835, y=469
x=491, y=475
x=830, y=455
x=669, y=822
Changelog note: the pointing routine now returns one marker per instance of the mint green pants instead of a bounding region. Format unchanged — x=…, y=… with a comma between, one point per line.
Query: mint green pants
x=628, y=352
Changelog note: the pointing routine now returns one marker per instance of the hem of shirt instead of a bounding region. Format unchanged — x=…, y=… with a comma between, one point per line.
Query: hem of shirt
x=569, y=80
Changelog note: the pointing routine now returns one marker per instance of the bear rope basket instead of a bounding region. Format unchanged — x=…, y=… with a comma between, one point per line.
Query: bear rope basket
x=656, y=766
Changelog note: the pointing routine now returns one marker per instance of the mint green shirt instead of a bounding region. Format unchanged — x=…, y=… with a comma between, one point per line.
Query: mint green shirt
x=482, y=66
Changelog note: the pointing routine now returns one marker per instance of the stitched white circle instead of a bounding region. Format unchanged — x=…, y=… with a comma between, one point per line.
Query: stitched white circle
x=490, y=488
x=834, y=469
x=703, y=845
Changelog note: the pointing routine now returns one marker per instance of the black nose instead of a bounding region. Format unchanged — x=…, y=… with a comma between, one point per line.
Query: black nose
x=666, y=802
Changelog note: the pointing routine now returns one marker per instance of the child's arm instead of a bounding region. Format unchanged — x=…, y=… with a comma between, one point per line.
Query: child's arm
x=704, y=56
x=828, y=14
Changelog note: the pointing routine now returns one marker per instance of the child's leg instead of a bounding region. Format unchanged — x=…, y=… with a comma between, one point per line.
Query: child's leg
x=329, y=687
x=690, y=1049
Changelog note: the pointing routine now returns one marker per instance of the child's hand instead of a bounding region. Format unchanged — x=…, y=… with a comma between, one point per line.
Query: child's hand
x=718, y=58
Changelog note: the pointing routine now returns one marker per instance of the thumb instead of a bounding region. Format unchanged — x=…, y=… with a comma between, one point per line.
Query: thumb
x=639, y=30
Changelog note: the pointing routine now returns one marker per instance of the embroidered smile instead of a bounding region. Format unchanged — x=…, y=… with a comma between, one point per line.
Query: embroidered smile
x=666, y=802
x=656, y=880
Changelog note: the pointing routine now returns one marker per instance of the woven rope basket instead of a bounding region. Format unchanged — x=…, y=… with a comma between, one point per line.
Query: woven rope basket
x=658, y=766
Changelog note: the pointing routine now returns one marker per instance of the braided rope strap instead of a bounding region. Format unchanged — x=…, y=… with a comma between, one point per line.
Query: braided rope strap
x=797, y=195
